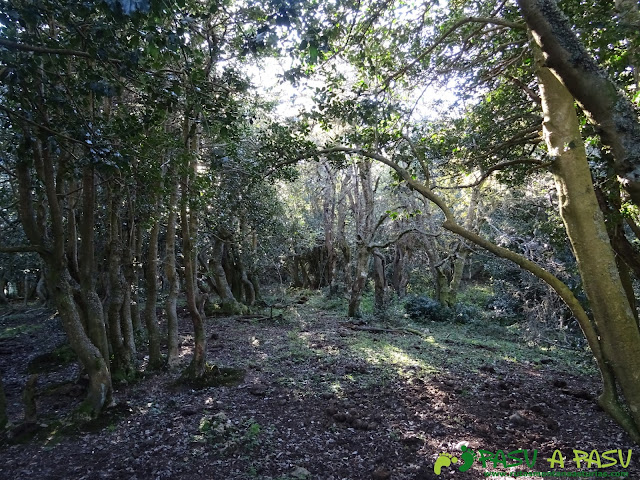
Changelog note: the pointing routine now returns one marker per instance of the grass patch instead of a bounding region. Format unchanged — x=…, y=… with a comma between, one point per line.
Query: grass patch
x=456, y=347
x=214, y=377
x=8, y=332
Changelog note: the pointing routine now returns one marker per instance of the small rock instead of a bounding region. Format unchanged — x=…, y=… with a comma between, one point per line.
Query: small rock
x=360, y=425
x=582, y=394
x=505, y=403
x=412, y=441
x=300, y=473
x=517, y=419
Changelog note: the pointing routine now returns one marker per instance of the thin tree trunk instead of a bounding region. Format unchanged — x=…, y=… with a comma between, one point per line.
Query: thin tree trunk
x=151, y=287
x=136, y=318
x=362, y=265
x=122, y=363
x=170, y=272
x=94, y=312
x=380, y=283
x=189, y=229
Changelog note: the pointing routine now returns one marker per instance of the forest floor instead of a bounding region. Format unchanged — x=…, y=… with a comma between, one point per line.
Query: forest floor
x=319, y=399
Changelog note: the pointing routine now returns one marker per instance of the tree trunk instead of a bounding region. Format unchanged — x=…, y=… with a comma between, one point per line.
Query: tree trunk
x=128, y=279
x=229, y=303
x=362, y=265
x=58, y=278
x=3, y=285
x=380, y=283
x=189, y=229
x=4, y=418
x=364, y=225
x=122, y=362
x=170, y=271
x=151, y=287
x=585, y=226
x=400, y=279
x=93, y=309
x=616, y=118
x=134, y=280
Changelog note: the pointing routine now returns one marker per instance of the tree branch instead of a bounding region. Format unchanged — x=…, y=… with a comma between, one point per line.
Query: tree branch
x=22, y=249
x=443, y=37
x=500, y=166
x=43, y=50
x=11, y=113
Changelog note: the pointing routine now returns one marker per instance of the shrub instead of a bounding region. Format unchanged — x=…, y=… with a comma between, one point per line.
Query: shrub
x=425, y=308
x=465, y=313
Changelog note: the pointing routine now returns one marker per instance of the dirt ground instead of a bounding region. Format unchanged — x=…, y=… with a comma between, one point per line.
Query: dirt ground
x=319, y=400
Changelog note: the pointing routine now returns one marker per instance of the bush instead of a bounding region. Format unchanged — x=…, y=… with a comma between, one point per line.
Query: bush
x=465, y=313
x=425, y=308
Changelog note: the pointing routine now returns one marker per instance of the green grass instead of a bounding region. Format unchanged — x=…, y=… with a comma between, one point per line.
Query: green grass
x=8, y=332
x=460, y=347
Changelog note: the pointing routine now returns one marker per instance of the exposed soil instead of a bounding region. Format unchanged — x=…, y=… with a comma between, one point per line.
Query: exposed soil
x=318, y=400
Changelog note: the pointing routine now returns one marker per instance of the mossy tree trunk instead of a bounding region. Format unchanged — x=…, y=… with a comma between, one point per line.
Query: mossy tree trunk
x=4, y=418
x=52, y=251
x=227, y=299
x=93, y=308
x=614, y=320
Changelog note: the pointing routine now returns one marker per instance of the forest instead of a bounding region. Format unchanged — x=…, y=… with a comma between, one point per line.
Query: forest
x=304, y=239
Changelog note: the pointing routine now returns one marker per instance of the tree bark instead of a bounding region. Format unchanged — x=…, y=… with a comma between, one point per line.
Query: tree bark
x=585, y=226
x=229, y=303
x=189, y=228
x=94, y=312
x=122, y=362
x=380, y=283
x=170, y=271
x=364, y=225
x=4, y=418
x=151, y=287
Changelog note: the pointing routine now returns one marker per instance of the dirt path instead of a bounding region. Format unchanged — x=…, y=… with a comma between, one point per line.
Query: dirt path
x=320, y=401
